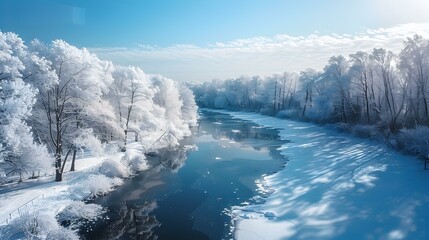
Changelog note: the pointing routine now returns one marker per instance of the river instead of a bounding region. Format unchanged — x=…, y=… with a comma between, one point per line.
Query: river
x=187, y=192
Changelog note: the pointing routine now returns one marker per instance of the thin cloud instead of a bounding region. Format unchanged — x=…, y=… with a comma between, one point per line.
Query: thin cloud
x=259, y=55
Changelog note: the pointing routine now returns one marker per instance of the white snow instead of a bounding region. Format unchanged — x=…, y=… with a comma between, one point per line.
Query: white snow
x=45, y=199
x=335, y=186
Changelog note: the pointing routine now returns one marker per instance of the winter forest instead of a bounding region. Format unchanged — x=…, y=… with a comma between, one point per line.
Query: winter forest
x=57, y=99
x=371, y=94
x=74, y=127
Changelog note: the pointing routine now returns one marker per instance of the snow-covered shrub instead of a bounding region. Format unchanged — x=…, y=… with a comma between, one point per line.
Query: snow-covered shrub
x=322, y=109
x=341, y=127
x=85, y=139
x=101, y=185
x=267, y=110
x=364, y=131
x=221, y=102
x=36, y=225
x=78, y=211
x=94, y=185
x=135, y=161
x=415, y=141
x=111, y=147
x=112, y=168
x=291, y=113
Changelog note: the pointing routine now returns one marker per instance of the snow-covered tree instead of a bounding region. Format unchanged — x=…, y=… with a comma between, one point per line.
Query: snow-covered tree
x=131, y=97
x=414, y=63
x=362, y=75
x=69, y=97
x=189, y=107
x=337, y=72
x=17, y=98
x=307, y=81
x=392, y=95
x=167, y=96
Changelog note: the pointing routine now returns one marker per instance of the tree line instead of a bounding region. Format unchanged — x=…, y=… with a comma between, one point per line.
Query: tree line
x=381, y=89
x=56, y=98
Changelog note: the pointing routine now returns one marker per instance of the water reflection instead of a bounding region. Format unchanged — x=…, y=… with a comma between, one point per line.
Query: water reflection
x=184, y=193
x=131, y=221
x=171, y=159
x=245, y=134
x=129, y=217
x=234, y=129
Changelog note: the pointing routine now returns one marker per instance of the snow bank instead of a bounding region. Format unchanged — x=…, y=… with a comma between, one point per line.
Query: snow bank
x=335, y=186
x=93, y=185
x=135, y=160
x=43, y=209
x=40, y=208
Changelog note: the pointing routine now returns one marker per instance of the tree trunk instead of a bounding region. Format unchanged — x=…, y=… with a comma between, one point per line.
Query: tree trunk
x=305, y=104
x=343, y=109
x=275, y=97
x=58, y=173
x=58, y=139
x=367, y=106
x=72, y=168
x=124, y=148
x=425, y=103
x=65, y=160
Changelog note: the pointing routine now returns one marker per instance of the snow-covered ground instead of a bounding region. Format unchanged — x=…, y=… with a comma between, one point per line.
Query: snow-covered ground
x=35, y=207
x=335, y=186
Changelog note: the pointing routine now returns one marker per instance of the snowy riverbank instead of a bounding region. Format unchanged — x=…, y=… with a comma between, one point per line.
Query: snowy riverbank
x=335, y=186
x=35, y=208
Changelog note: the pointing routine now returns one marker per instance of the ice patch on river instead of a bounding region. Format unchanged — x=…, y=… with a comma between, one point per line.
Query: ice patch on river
x=334, y=186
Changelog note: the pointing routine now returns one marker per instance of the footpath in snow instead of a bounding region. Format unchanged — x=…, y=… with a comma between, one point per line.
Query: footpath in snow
x=335, y=186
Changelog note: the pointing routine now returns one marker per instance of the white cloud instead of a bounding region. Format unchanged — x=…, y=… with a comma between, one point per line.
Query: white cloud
x=401, y=11
x=259, y=55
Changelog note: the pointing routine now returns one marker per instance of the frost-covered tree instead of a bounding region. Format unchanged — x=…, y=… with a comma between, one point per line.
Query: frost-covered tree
x=189, y=107
x=392, y=94
x=414, y=63
x=167, y=96
x=17, y=98
x=307, y=81
x=378, y=88
x=131, y=96
x=337, y=72
x=362, y=72
x=67, y=99
x=18, y=148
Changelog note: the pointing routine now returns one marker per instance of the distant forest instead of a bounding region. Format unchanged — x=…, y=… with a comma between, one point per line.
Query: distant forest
x=377, y=93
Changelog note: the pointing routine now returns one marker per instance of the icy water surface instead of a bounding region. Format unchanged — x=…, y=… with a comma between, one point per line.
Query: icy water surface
x=184, y=195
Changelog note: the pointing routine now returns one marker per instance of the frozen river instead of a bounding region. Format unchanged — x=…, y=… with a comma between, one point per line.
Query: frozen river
x=336, y=186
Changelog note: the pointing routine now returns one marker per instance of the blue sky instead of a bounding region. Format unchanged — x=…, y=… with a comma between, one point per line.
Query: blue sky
x=158, y=35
